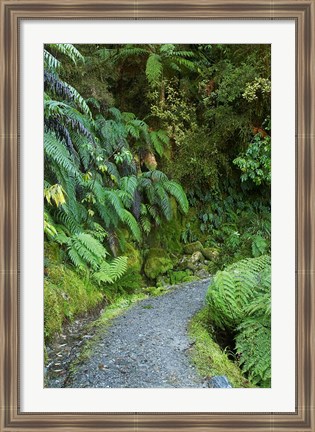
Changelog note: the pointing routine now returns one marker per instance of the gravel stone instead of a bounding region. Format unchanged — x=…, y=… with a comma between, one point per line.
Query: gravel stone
x=146, y=347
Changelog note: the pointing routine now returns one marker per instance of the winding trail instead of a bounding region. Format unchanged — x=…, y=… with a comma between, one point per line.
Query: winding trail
x=147, y=345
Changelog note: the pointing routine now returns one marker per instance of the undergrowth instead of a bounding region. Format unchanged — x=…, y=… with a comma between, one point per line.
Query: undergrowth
x=209, y=359
x=239, y=303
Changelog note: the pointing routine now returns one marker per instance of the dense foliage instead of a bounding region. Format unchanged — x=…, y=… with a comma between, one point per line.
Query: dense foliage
x=153, y=152
x=239, y=302
x=94, y=183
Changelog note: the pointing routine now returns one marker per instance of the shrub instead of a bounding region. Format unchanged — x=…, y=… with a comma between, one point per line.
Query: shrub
x=239, y=302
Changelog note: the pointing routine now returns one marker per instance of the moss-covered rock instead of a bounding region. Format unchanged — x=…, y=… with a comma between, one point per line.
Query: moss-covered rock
x=190, y=248
x=135, y=260
x=197, y=257
x=177, y=277
x=210, y=253
x=157, y=263
x=163, y=281
x=186, y=264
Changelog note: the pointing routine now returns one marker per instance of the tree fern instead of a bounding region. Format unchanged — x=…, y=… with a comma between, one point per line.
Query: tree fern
x=154, y=69
x=65, y=90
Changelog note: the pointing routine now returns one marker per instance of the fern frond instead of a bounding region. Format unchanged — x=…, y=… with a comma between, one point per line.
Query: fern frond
x=68, y=50
x=50, y=62
x=233, y=290
x=131, y=51
x=163, y=201
x=89, y=249
x=129, y=186
x=129, y=219
x=76, y=259
x=61, y=88
x=57, y=152
x=116, y=114
x=118, y=267
x=253, y=345
x=145, y=224
x=110, y=272
x=178, y=193
x=155, y=176
x=186, y=63
x=159, y=140
x=154, y=69
x=239, y=301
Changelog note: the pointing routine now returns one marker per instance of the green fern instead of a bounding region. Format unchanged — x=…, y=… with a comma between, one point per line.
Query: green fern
x=111, y=272
x=56, y=152
x=233, y=289
x=83, y=248
x=239, y=301
x=68, y=50
x=253, y=345
x=154, y=69
x=131, y=51
x=160, y=141
x=50, y=62
x=175, y=189
x=129, y=219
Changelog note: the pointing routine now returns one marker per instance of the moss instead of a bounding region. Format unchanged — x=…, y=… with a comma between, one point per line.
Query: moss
x=156, y=291
x=163, y=281
x=66, y=294
x=191, y=248
x=53, y=316
x=210, y=253
x=177, y=277
x=135, y=260
x=208, y=357
x=52, y=253
x=191, y=222
x=120, y=305
x=157, y=263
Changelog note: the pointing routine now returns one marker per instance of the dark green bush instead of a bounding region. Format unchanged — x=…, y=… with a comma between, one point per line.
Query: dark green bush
x=239, y=303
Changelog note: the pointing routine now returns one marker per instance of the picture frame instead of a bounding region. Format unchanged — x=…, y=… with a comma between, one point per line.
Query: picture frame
x=12, y=12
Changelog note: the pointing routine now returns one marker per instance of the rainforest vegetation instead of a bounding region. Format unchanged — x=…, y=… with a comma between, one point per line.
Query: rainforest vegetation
x=157, y=172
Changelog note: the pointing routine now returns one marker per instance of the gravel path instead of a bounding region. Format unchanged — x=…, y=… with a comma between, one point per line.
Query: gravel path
x=147, y=345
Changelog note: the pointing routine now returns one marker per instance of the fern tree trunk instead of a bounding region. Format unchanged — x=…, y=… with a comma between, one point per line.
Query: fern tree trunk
x=162, y=93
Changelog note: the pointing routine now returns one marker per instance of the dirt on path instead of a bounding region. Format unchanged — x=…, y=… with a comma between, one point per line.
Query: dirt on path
x=147, y=346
